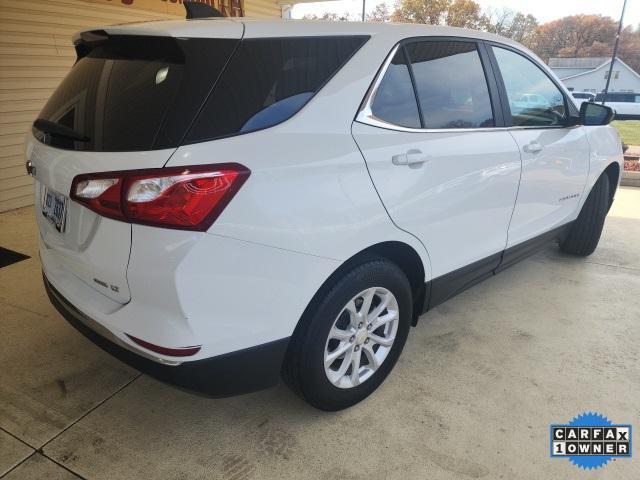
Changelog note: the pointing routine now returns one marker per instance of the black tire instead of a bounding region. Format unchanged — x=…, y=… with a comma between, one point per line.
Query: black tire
x=585, y=232
x=303, y=369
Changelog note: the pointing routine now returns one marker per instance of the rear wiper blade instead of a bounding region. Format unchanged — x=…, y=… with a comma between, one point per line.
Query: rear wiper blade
x=58, y=130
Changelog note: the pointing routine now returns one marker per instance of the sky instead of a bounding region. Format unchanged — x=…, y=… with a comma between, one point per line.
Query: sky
x=543, y=10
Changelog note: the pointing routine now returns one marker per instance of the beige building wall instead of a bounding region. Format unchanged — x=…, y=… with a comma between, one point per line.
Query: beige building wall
x=36, y=53
x=253, y=8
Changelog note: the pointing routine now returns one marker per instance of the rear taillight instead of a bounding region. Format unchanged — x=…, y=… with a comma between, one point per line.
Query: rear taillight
x=188, y=198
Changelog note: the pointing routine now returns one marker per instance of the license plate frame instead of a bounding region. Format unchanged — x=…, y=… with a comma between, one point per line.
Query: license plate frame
x=54, y=208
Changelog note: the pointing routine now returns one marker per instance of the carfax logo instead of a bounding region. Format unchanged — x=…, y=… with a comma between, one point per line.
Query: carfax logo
x=590, y=441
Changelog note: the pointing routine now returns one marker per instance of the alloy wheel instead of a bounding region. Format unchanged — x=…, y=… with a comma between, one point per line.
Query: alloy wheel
x=361, y=337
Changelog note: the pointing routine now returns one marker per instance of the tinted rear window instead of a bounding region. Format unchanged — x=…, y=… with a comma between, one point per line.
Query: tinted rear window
x=135, y=92
x=395, y=100
x=268, y=80
x=452, y=88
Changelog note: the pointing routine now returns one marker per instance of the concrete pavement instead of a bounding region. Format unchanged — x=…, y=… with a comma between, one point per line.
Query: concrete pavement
x=481, y=379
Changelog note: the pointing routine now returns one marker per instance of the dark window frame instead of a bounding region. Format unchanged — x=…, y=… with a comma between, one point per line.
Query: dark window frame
x=489, y=75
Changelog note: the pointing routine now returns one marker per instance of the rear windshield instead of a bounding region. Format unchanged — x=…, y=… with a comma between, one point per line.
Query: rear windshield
x=129, y=93
x=268, y=81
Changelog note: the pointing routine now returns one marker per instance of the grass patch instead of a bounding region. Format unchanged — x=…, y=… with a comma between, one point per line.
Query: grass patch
x=629, y=131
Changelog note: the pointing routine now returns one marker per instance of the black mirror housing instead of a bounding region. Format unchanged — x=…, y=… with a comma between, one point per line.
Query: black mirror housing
x=595, y=114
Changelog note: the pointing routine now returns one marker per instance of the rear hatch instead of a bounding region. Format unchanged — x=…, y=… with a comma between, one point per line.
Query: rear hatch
x=126, y=104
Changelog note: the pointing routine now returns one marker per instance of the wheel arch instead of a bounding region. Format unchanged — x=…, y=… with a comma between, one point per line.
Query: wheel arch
x=402, y=254
x=411, y=264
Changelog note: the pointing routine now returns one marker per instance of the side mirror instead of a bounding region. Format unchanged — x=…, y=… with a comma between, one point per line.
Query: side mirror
x=595, y=114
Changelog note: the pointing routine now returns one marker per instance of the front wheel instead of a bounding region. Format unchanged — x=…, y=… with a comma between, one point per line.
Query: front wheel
x=349, y=343
x=585, y=232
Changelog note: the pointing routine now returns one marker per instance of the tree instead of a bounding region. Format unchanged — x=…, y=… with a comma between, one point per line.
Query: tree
x=455, y=13
x=508, y=23
x=345, y=17
x=587, y=36
x=380, y=13
x=629, y=48
x=465, y=13
x=573, y=33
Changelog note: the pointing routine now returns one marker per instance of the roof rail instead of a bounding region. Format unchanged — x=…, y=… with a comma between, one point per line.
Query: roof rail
x=197, y=9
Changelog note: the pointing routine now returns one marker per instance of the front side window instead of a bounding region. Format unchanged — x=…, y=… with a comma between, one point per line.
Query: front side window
x=534, y=99
x=451, y=84
x=395, y=100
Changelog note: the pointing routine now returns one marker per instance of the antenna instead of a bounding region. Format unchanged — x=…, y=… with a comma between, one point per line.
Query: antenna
x=197, y=9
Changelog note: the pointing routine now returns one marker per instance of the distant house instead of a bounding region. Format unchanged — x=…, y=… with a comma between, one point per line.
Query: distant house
x=590, y=74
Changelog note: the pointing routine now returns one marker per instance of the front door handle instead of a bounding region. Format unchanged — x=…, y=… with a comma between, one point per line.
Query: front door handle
x=533, y=147
x=412, y=157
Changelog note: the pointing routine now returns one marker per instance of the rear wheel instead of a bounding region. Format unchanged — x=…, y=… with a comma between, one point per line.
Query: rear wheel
x=348, y=344
x=585, y=232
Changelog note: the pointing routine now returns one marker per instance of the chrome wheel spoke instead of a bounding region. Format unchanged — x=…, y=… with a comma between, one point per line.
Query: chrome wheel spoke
x=380, y=308
x=385, y=342
x=355, y=367
x=337, y=353
x=344, y=366
x=388, y=317
x=339, y=334
x=353, y=311
x=374, y=363
x=367, y=299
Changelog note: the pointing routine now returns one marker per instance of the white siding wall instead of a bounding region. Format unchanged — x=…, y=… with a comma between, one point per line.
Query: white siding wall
x=36, y=53
x=262, y=9
x=567, y=72
x=595, y=80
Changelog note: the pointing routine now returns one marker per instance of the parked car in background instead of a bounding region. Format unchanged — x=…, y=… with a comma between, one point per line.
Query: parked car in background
x=580, y=97
x=625, y=104
x=531, y=101
x=224, y=201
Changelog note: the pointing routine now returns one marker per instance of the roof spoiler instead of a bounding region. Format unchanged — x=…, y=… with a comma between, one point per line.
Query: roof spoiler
x=197, y=9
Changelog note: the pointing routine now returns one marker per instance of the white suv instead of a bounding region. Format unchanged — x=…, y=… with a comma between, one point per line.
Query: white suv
x=222, y=201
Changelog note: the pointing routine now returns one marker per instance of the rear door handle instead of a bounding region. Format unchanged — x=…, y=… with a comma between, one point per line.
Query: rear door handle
x=533, y=147
x=411, y=157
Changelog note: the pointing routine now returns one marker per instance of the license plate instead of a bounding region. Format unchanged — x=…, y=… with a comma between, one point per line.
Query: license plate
x=54, y=208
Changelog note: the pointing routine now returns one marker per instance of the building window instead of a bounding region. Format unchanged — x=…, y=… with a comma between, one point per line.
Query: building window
x=616, y=74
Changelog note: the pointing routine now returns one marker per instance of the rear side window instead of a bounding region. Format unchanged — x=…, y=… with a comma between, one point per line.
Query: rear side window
x=129, y=93
x=451, y=84
x=395, y=100
x=268, y=80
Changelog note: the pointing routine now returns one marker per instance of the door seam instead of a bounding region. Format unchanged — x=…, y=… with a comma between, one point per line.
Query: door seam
x=366, y=166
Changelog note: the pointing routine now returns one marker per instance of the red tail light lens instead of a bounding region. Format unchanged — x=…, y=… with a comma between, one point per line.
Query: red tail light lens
x=189, y=198
x=171, y=352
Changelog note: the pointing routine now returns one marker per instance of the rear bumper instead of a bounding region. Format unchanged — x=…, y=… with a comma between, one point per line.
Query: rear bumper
x=233, y=373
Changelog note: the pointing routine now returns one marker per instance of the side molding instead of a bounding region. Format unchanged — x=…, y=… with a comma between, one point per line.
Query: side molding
x=451, y=284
